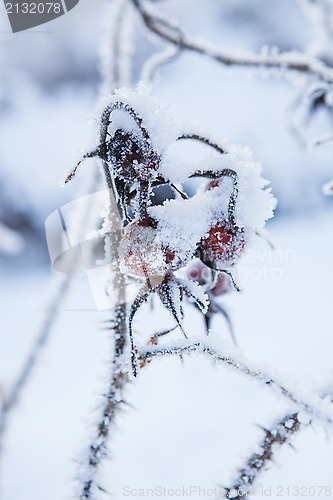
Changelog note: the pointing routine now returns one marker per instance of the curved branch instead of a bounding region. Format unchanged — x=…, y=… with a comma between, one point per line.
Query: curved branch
x=105, y=119
x=290, y=61
x=200, y=138
x=313, y=407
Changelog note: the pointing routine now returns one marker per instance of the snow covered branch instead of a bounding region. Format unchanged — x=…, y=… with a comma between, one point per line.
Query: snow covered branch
x=116, y=48
x=275, y=437
x=116, y=70
x=119, y=374
x=113, y=402
x=328, y=188
x=269, y=59
x=322, y=140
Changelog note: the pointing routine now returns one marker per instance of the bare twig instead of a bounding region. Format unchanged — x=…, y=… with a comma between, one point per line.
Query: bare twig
x=156, y=61
x=270, y=59
x=113, y=403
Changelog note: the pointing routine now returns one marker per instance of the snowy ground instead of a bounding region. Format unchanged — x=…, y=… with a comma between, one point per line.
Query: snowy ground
x=191, y=423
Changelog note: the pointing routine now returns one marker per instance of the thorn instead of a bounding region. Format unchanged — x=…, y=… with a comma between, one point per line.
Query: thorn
x=103, y=490
x=293, y=447
x=267, y=431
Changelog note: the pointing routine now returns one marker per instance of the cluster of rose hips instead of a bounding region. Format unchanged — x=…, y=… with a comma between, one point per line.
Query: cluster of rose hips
x=132, y=167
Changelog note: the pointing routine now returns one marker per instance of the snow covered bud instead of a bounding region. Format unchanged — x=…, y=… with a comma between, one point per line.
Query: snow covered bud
x=135, y=132
x=223, y=243
x=143, y=254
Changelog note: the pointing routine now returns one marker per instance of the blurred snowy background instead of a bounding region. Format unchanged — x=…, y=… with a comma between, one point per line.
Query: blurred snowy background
x=190, y=423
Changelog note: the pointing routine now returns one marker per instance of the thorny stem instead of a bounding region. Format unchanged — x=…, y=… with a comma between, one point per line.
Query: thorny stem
x=274, y=438
x=295, y=61
x=228, y=273
x=320, y=415
x=227, y=172
x=119, y=376
x=101, y=150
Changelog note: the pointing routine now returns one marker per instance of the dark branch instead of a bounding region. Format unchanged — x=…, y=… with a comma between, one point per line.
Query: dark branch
x=200, y=138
